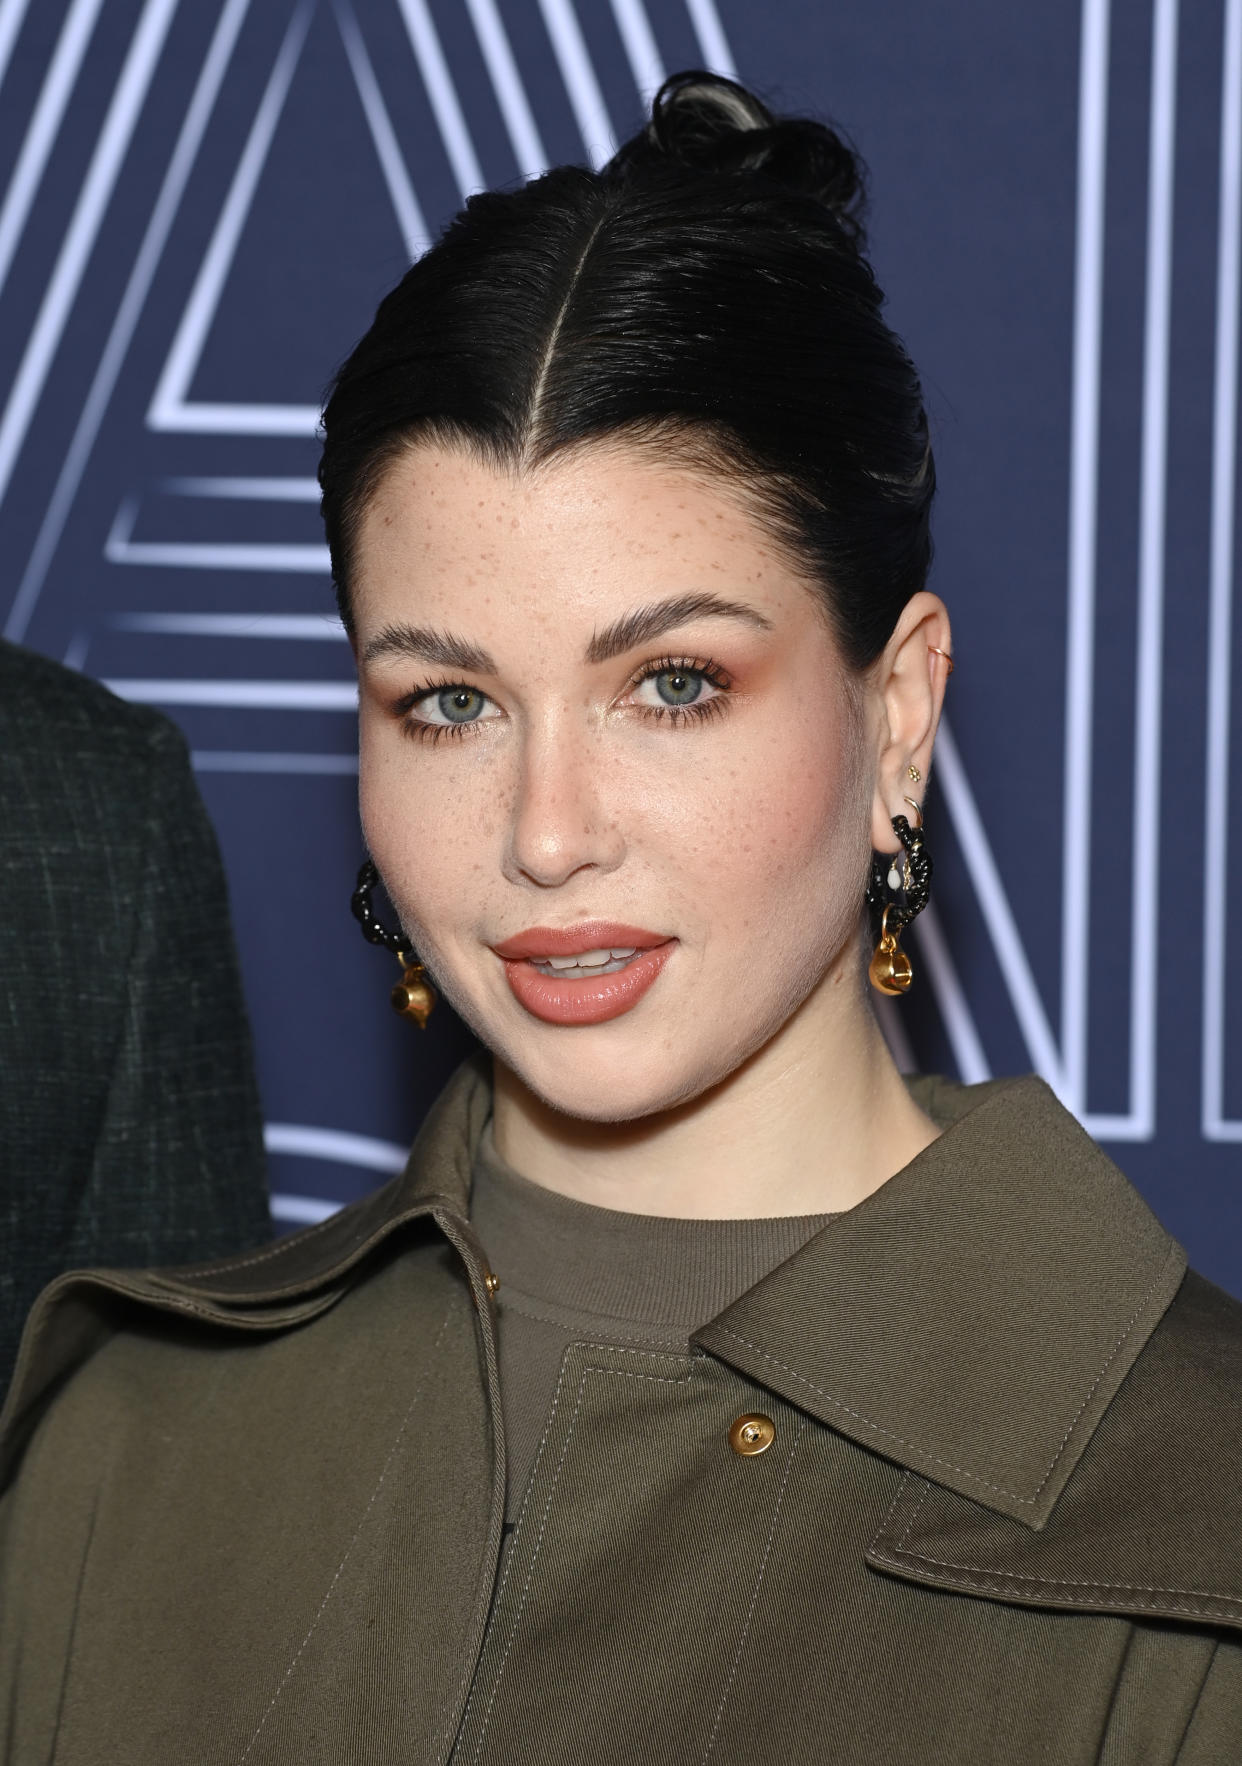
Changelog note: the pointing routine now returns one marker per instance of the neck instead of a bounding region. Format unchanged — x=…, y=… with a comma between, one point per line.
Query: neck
x=811, y=1123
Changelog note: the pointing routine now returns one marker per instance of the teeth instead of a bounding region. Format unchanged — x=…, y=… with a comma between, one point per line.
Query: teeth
x=587, y=959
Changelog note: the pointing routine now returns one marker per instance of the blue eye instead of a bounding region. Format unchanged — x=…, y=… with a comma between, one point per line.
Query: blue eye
x=678, y=686
x=460, y=705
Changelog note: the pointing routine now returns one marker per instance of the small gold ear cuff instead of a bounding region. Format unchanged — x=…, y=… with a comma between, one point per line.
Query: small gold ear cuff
x=937, y=651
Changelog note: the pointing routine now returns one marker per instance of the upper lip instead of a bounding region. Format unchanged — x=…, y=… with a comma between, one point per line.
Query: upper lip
x=571, y=941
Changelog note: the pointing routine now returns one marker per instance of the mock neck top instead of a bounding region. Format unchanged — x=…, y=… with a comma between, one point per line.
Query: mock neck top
x=605, y=1262
x=570, y=1271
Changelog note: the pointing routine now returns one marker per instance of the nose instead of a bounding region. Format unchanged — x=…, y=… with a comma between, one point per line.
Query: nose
x=561, y=819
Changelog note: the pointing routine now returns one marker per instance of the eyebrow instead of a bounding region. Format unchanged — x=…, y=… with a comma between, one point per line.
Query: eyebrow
x=422, y=644
x=443, y=649
x=652, y=621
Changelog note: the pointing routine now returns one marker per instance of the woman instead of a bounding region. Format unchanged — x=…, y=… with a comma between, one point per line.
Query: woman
x=702, y=1391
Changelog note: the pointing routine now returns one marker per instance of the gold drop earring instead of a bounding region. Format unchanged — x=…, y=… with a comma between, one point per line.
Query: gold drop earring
x=896, y=896
x=413, y=996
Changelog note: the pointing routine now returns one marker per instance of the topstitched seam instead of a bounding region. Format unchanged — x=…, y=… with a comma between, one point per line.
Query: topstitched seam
x=1062, y=1581
x=754, y=1599
x=974, y=1477
x=517, y=1525
x=519, y=1304
x=915, y=1513
x=530, y=1574
x=990, y=1587
x=405, y=1423
x=623, y=1373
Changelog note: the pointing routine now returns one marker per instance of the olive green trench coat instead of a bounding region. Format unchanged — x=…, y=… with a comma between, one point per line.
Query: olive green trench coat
x=254, y=1513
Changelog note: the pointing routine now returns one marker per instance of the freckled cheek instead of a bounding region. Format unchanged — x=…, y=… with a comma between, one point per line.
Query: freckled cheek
x=431, y=827
x=761, y=829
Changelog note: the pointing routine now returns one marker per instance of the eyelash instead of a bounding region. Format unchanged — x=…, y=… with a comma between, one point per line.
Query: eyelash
x=699, y=712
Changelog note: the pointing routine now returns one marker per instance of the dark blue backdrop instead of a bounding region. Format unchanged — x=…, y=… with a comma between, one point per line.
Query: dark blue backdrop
x=205, y=200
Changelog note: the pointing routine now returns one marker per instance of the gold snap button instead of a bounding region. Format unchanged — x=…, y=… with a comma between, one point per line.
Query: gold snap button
x=491, y=1282
x=752, y=1434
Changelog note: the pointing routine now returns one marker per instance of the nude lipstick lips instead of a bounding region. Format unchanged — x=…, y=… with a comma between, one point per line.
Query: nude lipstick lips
x=582, y=998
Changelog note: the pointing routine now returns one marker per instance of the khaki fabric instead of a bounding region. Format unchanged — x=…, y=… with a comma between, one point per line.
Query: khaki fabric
x=253, y=1513
x=568, y=1272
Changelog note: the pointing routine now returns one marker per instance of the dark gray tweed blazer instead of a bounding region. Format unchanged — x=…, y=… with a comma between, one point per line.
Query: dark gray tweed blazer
x=129, y=1120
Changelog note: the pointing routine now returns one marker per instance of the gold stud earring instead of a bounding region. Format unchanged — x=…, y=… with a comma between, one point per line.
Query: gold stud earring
x=912, y=772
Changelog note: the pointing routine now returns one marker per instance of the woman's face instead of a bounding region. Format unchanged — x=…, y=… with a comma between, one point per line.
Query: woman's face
x=596, y=701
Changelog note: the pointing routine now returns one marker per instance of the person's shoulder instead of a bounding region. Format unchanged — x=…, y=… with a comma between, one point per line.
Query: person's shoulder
x=101, y=1342
x=46, y=707
x=1194, y=1367
x=1144, y=1515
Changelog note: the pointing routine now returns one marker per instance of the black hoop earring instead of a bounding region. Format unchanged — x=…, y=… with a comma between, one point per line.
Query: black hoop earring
x=413, y=996
x=895, y=897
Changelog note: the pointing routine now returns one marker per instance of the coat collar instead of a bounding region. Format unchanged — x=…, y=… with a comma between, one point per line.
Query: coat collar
x=971, y=1320
x=999, y=1319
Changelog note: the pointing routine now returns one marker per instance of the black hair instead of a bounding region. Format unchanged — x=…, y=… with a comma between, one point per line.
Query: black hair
x=705, y=294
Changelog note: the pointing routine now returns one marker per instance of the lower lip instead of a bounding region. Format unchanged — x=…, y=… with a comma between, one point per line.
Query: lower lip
x=585, y=1001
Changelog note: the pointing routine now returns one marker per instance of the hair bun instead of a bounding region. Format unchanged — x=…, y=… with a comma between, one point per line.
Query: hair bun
x=704, y=122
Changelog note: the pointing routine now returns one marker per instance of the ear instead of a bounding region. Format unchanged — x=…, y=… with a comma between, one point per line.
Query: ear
x=909, y=680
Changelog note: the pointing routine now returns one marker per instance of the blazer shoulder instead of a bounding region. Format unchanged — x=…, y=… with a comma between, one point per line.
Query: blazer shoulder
x=1150, y=1521
x=40, y=697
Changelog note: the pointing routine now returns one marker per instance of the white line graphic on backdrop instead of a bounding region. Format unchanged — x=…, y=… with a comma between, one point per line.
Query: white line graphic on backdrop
x=233, y=760
x=959, y=1023
x=331, y=1144
x=1215, y=1125
x=985, y=875
x=1138, y=1123
x=710, y=33
x=409, y=212
x=120, y=548
x=112, y=360
x=238, y=695
x=168, y=404
x=263, y=490
x=88, y=214
x=44, y=126
x=1153, y=494
x=171, y=408
x=445, y=103
x=1084, y=481
x=312, y=626
x=578, y=76
x=12, y=12
x=640, y=47
x=507, y=84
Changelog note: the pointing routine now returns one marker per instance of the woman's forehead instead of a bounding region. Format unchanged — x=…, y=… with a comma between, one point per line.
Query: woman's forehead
x=601, y=527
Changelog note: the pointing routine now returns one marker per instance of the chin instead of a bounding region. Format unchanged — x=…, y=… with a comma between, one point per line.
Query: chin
x=624, y=1079
x=595, y=1092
